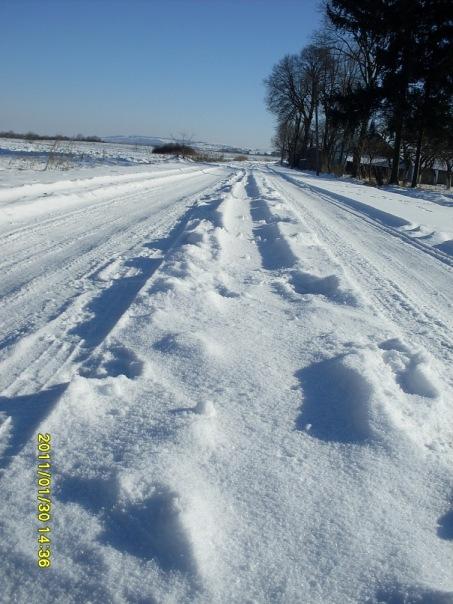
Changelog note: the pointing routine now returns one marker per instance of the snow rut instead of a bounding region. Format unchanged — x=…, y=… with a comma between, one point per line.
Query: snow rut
x=174, y=525
x=436, y=245
x=61, y=295
x=370, y=392
x=284, y=242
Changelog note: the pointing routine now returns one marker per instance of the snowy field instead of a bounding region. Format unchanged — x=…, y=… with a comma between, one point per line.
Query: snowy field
x=18, y=155
x=21, y=156
x=246, y=375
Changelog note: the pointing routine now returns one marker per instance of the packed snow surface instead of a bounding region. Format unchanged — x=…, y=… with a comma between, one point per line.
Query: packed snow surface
x=246, y=375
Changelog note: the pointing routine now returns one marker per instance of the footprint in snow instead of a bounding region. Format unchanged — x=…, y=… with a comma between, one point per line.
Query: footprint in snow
x=336, y=401
x=151, y=529
x=223, y=291
x=445, y=526
x=94, y=494
x=120, y=360
x=329, y=287
x=205, y=407
x=273, y=247
x=116, y=360
x=194, y=345
x=412, y=369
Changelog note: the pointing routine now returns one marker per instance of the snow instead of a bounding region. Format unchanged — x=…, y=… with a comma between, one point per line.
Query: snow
x=19, y=154
x=410, y=214
x=155, y=141
x=246, y=373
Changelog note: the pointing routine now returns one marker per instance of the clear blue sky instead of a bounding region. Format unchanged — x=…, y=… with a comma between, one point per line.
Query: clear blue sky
x=151, y=67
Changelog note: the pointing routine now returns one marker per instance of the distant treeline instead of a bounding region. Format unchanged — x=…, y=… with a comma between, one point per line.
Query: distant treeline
x=175, y=149
x=187, y=151
x=32, y=136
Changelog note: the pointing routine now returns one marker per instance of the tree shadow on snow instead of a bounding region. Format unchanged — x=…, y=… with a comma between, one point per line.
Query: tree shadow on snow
x=411, y=595
x=112, y=303
x=26, y=412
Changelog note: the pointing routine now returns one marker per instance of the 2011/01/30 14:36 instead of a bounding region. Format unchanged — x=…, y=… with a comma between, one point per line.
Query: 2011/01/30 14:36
x=44, y=499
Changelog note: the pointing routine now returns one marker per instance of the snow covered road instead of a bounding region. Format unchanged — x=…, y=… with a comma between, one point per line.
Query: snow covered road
x=246, y=375
x=62, y=247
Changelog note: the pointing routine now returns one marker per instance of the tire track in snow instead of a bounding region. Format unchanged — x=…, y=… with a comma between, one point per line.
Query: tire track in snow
x=160, y=514
x=198, y=449
x=65, y=321
x=413, y=373
x=80, y=191
x=393, y=301
x=379, y=395
x=98, y=210
x=176, y=525
x=360, y=210
x=286, y=247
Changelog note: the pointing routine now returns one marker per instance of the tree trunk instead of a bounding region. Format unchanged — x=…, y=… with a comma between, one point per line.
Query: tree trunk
x=326, y=137
x=410, y=171
x=357, y=155
x=394, y=175
x=417, y=158
x=341, y=162
x=449, y=177
x=307, y=124
x=293, y=159
x=317, y=138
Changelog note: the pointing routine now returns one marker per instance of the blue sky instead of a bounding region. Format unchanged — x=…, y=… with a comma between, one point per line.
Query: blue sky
x=146, y=66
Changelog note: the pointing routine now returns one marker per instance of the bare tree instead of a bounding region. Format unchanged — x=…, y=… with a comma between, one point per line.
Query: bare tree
x=184, y=142
x=281, y=139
